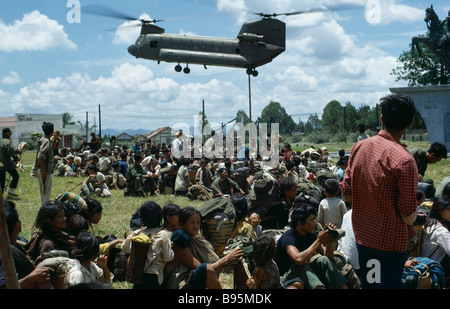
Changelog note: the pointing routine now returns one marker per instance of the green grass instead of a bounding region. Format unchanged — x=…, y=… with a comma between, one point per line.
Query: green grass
x=117, y=209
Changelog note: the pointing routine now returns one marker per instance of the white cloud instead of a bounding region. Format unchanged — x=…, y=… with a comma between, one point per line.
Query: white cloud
x=130, y=96
x=34, y=32
x=128, y=32
x=11, y=79
x=237, y=7
x=393, y=12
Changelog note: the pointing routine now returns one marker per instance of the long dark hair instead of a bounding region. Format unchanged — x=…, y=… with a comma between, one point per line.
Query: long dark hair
x=47, y=213
x=169, y=210
x=86, y=246
x=434, y=216
x=93, y=207
x=186, y=213
x=264, y=249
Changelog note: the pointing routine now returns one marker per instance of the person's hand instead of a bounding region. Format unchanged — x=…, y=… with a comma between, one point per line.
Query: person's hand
x=411, y=263
x=41, y=274
x=102, y=261
x=325, y=237
x=251, y=283
x=331, y=225
x=113, y=243
x=234, y=255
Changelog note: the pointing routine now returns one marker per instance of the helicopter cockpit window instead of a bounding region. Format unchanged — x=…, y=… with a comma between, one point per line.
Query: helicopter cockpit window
x=138, y=41
x=154, y=44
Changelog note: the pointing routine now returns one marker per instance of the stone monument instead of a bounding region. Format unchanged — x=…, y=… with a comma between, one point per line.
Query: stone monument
x=433, y=102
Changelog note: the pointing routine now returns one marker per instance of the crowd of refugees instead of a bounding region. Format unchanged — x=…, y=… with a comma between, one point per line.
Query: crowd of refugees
x=311, y=222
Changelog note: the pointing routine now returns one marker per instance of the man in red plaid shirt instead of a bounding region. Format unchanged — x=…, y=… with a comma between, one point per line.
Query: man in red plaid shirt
x=381, y=179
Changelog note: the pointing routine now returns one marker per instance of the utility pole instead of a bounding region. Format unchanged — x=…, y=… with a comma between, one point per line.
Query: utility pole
x=249, y=98
x=99, y=122
x=203, y=121
x=87, y=126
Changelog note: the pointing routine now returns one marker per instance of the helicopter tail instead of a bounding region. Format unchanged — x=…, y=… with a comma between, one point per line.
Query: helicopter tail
x=271, y=31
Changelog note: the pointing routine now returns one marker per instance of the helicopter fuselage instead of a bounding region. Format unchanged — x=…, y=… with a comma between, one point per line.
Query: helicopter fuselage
x=238, y=53
x=258, y=43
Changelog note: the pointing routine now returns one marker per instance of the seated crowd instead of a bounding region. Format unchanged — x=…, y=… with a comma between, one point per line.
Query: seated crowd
x=290, y=224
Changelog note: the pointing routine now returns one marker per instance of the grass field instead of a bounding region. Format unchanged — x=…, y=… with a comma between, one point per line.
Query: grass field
x=117, y=209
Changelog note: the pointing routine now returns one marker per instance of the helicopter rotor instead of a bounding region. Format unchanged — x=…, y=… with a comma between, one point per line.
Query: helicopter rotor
x=100, y=10
x=335, y=8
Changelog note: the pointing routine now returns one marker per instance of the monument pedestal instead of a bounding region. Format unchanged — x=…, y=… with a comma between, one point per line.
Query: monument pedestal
x=433, y=104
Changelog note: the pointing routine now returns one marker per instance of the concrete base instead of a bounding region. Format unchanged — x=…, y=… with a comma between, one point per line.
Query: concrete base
x=433, y=104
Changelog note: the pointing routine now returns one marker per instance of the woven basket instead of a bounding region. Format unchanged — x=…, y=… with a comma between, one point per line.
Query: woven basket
x=218, y=231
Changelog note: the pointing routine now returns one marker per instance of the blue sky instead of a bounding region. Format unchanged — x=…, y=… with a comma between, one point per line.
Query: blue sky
x=49, y=65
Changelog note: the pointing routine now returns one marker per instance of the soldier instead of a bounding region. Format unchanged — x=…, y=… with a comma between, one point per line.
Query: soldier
x=7, y=165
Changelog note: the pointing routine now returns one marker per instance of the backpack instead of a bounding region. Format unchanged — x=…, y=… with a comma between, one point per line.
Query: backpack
x=307, y=187
x=427, y=274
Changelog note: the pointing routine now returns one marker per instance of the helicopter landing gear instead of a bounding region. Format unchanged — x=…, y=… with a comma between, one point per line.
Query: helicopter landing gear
x=253, y=72
x=186, y=70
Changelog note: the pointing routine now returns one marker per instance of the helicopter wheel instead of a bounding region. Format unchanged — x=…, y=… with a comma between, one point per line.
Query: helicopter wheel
x=178, y=68
x=253, y=72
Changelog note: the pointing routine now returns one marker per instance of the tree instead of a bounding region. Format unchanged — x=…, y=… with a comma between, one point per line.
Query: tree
x=241, y=117
x=367, y=115
x=333, y=117
x=421, y=71
x=351, y=118
x=313, y=124
x=275, y=113
x=67, y=119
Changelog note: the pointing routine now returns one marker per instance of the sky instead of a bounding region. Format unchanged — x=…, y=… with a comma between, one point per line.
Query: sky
x=56, y=58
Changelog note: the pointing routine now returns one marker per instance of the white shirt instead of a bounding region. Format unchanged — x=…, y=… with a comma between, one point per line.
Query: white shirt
x=347, y=244
x=436, y=242
x=159, y=253
x=79, y=274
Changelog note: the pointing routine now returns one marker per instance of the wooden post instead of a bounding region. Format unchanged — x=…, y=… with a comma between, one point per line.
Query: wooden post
x=9, y=270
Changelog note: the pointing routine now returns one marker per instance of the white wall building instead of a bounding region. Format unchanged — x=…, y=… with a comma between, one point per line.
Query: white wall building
x=23, y=125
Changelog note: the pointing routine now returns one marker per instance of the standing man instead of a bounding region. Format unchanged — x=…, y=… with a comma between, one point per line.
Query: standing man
x=44, y=160
x=381, y=179
x=423, y=157
x=7, y=165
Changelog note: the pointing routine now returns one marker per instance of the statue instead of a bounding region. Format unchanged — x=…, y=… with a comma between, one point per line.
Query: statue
x=438, y=39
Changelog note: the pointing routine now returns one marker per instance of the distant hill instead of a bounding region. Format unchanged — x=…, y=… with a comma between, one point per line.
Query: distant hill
x=132, y=132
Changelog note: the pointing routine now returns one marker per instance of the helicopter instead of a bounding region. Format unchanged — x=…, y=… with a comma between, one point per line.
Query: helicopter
x=257, y=43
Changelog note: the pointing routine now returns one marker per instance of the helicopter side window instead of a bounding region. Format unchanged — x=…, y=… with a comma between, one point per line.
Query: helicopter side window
x=153, y=44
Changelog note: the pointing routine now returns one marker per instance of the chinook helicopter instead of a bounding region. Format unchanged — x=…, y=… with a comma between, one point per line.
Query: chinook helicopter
x=257, y=43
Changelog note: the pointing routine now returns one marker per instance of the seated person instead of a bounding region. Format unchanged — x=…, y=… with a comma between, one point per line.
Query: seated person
x=138, y=181
x=51, y=235
x=194, y=256
x=118, y=180
x=96, y=183
x=297, y=246
x=266, y=202
x=436, y=238
x=224, y=186
x=29, y=277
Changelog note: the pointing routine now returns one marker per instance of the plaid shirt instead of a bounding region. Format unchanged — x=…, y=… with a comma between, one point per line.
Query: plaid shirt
x=381, y=179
